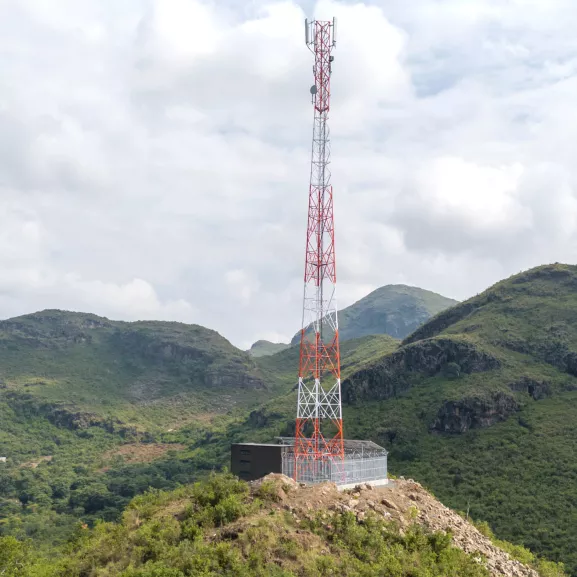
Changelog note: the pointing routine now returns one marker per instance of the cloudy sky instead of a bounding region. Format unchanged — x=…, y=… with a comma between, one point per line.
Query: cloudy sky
x=154, y=154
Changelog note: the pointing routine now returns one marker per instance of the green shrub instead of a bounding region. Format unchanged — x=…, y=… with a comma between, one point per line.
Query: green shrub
x=153, y=570
x=14, y=557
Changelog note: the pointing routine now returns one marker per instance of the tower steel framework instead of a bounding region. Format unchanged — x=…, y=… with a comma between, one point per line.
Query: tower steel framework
x=319, y=446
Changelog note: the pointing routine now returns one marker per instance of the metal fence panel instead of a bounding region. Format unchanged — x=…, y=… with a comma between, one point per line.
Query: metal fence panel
x=355, y=468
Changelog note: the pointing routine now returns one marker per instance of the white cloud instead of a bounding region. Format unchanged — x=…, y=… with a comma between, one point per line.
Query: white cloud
x=242, y=287
x=154, y=155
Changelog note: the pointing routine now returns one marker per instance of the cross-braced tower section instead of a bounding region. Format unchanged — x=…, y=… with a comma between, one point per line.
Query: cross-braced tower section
x=319, y=448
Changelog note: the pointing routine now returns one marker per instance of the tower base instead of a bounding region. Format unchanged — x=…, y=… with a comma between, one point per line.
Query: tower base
x=363, y=462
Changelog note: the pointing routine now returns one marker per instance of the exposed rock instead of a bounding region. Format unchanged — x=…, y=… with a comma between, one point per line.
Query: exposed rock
x=536, y=389
x=190, y=359
x=70, y=418
x=388, y=504
x=474, y=413
x=260, y=418
x=284, y=482
x=392, y=374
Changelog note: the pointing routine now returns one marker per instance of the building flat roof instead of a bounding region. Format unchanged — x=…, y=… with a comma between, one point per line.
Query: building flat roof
x=257, y=444
x=351, y=444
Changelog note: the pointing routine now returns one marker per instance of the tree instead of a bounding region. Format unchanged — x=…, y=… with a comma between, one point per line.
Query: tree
x=14, y=557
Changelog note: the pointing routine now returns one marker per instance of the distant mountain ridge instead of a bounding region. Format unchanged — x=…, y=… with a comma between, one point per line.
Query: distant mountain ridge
x=263, y=348
x=394, y=310
x=132, y=370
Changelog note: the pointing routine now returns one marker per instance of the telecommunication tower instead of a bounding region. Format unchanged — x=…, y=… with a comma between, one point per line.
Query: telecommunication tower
x=319, y=442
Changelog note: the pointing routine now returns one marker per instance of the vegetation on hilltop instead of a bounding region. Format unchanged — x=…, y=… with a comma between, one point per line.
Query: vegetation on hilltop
x=220, y=528
x=134, y=372
x=74, y=387
x=478, y=404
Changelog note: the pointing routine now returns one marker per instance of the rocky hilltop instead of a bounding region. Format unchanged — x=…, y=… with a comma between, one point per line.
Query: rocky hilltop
x=479, y=404
x=403, y=502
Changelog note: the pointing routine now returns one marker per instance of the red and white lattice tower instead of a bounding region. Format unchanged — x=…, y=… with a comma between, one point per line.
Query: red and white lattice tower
x=319, y=446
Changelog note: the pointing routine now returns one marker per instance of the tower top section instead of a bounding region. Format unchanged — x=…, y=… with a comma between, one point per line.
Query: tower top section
x=310, y=32
x=320, y=40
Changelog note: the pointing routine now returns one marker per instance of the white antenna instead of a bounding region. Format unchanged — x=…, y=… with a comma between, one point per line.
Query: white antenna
x=307, y=31
x=334, y=31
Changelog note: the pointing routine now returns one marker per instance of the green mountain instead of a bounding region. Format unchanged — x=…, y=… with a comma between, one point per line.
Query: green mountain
x=91, y=413
x=88, y=367
x=263, y=348
x=480, y=404
x=395, y=310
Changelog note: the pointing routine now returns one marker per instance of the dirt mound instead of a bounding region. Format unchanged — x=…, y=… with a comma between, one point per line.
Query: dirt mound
x=404, y=501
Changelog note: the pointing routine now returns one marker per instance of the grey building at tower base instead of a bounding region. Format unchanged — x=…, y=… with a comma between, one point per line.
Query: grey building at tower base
x=364, y=462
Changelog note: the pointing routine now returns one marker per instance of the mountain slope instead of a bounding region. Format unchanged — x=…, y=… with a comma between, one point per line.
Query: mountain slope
x=136, y=372
x=275, y=528
x=480, y=404
x=395, y=310
x=86, y=403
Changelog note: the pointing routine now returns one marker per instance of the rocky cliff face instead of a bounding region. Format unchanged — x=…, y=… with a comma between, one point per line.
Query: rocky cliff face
x=477, y=412
x=200, y=363
x=392, y=375
x=474, y=413
x=536, y=389
x=70, y=418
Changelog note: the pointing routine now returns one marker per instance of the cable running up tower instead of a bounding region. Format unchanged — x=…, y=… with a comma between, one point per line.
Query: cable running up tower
x=319, y=447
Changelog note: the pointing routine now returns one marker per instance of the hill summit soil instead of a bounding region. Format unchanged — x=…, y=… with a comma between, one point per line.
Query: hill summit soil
x=404, y=501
